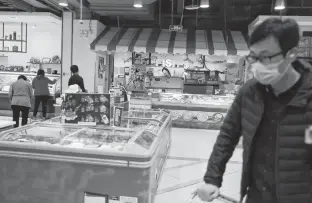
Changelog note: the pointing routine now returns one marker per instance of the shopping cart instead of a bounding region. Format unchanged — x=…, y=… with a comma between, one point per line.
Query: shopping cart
x=221, y=197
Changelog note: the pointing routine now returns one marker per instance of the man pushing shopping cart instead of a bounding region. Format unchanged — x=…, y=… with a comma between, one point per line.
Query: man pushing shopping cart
x=272, y=112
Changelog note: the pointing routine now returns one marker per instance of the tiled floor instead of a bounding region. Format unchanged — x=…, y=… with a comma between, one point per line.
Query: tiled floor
x=187, y=163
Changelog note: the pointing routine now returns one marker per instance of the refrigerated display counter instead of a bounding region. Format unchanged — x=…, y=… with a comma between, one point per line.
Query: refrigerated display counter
x=194, y=110
x=8, y=78
x=52, y=162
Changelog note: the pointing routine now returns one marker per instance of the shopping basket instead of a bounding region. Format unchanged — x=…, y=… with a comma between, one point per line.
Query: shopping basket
x=221, y=197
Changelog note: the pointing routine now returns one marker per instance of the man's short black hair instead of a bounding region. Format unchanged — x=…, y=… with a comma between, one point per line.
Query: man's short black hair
x=41, y=72
x=287, y=33
x=22, y=77
x=74, y=69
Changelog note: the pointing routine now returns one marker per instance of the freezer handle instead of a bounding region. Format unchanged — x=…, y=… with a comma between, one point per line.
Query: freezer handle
x=69, y=135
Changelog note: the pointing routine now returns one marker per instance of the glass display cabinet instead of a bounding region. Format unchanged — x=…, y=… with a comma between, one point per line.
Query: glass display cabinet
x=61, y=159
x=7, y=78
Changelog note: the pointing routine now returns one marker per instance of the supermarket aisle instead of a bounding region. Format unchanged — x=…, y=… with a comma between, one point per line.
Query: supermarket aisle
x=187, y=163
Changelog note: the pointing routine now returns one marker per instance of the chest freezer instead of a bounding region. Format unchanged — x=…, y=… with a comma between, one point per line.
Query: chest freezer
x=66, y=163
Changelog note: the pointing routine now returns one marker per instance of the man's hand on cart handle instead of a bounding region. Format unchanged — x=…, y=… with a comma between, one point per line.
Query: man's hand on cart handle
x=206, y=193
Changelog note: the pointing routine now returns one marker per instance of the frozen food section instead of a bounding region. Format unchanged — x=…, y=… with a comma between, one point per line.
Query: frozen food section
x=194, y=110
x=52, y=162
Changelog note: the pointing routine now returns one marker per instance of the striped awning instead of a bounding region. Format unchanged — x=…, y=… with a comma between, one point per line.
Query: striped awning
x=154, y=40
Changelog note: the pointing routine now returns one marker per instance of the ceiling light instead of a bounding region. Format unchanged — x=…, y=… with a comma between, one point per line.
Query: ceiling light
x=204, y=3
x=192, y=5
x=279, y=5
x=34, y=26
x=137, y=4
x=63, y=3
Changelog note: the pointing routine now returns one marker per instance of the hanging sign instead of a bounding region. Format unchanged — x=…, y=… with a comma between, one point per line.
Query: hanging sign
x=176, y=28
x=84, y=33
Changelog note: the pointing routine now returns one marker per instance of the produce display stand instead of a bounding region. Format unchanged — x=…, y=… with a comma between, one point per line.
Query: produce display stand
x=52, y=162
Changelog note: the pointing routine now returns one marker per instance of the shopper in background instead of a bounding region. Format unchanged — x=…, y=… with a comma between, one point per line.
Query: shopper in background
x=42, y=93
x=272, y=112
x=76, y=79
x=20, y=95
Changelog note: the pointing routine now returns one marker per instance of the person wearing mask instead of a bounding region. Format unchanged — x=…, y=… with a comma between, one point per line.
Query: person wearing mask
x=20, y=95
x=76, y=79
x=42, y=93
x=271, y=112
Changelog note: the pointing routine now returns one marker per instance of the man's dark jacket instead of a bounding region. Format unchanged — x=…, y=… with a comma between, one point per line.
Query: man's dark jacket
x=293, y=163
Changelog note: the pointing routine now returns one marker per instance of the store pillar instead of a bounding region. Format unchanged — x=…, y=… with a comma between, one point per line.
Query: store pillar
x=67, y=47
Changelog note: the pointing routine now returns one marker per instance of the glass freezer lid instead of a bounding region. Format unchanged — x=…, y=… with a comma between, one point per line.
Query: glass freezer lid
x=38, y=133
x=137, y=124
x=98, y=138
x=157, y=115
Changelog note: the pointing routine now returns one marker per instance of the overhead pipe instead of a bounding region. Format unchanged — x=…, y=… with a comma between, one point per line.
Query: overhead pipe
x=159, y=13
x=225, y=20
x=21, y=5
x=52, y=5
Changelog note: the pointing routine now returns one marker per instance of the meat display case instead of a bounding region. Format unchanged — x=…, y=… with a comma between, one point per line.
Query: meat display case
x=52, y=162
x=194, y=110
x=7, y=78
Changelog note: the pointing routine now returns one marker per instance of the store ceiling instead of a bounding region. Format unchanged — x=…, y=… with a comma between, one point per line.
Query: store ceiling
x=222, y=14
x=31, y=18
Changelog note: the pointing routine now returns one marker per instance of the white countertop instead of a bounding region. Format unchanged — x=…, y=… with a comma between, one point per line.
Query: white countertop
x=4, y=123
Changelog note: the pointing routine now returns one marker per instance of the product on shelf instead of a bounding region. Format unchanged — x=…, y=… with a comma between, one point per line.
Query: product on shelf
x=151, y=126
x=175, y=115
x=92, y=138
x=195, y=99
x=203, y=116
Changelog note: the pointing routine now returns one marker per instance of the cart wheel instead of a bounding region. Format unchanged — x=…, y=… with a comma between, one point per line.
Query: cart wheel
x=218, y=117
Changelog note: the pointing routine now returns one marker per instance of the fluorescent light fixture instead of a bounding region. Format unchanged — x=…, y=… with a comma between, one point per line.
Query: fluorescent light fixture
x=63, y=3
x=138, y=4
x=192, y=5
x=204, y=3
x=279, y=5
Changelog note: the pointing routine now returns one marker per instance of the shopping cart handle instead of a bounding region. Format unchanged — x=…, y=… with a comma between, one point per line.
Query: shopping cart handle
x=221, y=197
x=227, y=199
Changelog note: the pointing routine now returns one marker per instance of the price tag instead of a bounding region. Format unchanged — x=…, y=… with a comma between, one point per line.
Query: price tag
x=94, y=198
x=128, y=199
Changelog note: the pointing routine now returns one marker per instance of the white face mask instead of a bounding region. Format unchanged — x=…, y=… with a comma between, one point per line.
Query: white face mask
x=266, y=75
x=269, y=74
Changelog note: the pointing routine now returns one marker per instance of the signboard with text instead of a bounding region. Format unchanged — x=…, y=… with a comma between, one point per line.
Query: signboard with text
x=176, y=28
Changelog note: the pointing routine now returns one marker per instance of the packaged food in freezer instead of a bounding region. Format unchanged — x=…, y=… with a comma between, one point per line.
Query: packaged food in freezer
x=145, y=140
x=152, y=126
x=98, y=138
x=38, y=134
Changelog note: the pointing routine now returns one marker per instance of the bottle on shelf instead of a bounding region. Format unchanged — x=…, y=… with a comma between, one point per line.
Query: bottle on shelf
x=14, y=35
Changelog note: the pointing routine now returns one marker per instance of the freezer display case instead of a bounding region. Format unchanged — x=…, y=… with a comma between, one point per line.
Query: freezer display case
x=194, y=110
x=7, y=78
x=79, y=164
